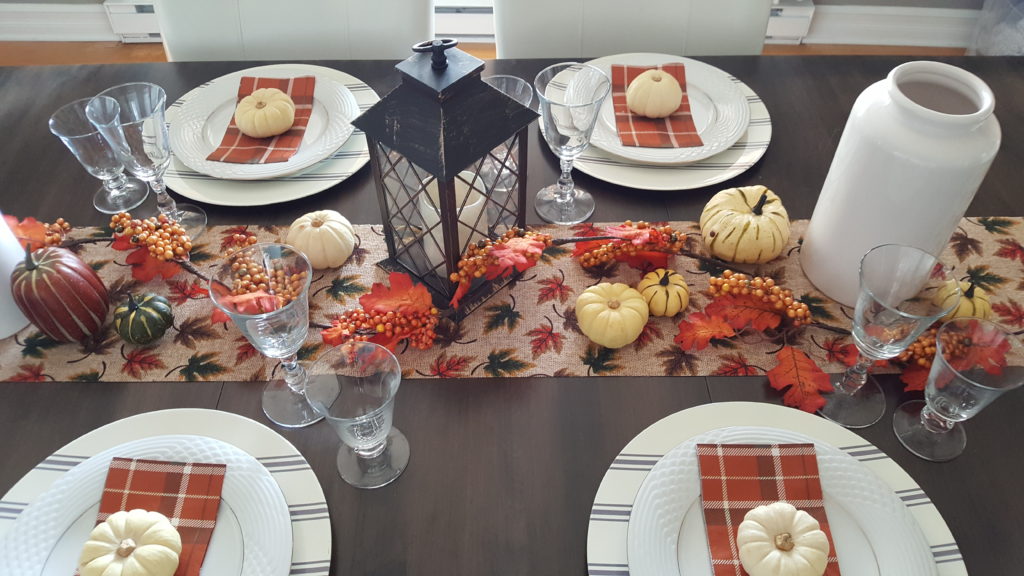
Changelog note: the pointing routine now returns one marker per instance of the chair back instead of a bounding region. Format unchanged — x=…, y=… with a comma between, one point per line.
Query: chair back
x=302, y=30
x=593, y=28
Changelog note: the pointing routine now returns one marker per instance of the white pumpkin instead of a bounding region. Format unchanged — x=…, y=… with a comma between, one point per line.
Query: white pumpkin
x=611, y=315
x=654, y=93
x=325, y=237
x=264, y=113
x=779, y=539
x=747, y=225
x=133, y=543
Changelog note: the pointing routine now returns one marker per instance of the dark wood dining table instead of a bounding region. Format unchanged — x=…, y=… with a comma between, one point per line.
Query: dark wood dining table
x=504, y=471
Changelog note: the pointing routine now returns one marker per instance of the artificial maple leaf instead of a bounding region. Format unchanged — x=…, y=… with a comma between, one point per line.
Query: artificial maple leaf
x=505, y=363
x=735, y=364
x=553, y=288
x=195, y=329
x=123, y=242
x=513, y=254
x=600, y=360
x=741, y=311
x=30, y=373
x=245, y=350
x=453, y=367
x=915, y=377
x=803, y=377
x=645, y=261
x=837, y=351
x=650, y=333
x=637, y=236
x=698, y=329
x=544, y=339
x=587, y=229
x=987, y=350
x=995, y=225
x=963, y=245
x=182, y=291
x=139, y=361
x=401, y=296
x=677, y=362
x=145, y=266
x=1011, y=313
x=1011, y=249
x=29, y=232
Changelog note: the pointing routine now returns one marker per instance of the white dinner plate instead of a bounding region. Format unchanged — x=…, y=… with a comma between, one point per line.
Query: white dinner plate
x=731, y=162
x=252, y=536
x=200, y=123
x=335, y=168
x=305, y=525
x=608, y=530
x=873, y=531
x=718, y=106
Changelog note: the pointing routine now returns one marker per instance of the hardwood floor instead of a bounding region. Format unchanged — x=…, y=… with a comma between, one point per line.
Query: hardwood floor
x=70, y=53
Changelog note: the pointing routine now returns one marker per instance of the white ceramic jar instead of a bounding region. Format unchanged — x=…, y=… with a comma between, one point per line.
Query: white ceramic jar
x=914, y=152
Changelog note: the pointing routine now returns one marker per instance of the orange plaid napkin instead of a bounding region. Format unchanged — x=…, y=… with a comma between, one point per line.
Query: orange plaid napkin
x=188, y=494
x=735, y=478
x=238, y=148
x=675, y=131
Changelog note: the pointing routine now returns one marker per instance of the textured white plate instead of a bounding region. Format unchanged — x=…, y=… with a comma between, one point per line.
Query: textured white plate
x=309, y=550
x=874, y=532
x=733, y=161
x=607, y=532
x=337, y=167
x=199, y=126
x=719, y=108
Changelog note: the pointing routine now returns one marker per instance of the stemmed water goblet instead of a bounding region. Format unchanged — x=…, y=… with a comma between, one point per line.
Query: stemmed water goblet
x=898, y=300
x=264, y=290
x=976, y=361
x=131, y=118
x=354, y=387
x=570, y=96
x=119, y=192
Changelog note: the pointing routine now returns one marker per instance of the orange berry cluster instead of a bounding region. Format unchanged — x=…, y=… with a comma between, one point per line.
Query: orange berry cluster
x=240, y=241
x=661, y=239
x=922, y=351
x=165, y=238
x=360, y=325
x=763, y=288
x=55, y=232
x=477, y=259
x=251, y=276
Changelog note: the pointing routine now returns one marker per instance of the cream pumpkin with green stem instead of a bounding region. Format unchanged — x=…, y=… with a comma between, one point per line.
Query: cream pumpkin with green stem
x=747, y=225
x=612, y=315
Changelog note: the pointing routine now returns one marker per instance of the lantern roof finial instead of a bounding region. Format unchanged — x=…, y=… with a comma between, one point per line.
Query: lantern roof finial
x=437, y=47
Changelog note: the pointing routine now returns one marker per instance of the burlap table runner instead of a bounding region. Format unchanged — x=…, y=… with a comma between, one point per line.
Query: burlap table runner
x=525, y=329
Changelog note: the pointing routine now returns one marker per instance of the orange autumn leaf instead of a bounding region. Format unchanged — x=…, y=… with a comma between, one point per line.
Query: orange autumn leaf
x=697, y=330
x=401, y=296
x=145, y=266
x=837, y=351
x=803, y=377
x=745, y=310
x=28, y=231
x=514, y=254
x=915, y=377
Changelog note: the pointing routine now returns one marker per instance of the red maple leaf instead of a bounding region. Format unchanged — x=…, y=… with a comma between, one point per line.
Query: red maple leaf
x=697, y=330
x=29, y=373
x=245, y=350
x=637, y=236
x=553, y=288
x=987, y=350
x=145, y=266
x=587, y=229
x=1011, y=312
x=401, y=296
x=123, y=242
x=182, y=291
x=1011, y=249
x=804, y=378
x=235, y=236
x=544, y=339
x=735, y=364
x=915, y=377
x=445, y=367
x=514, y=254
x=837, y=351
x=28, y=231
x=141, y=360
x=741, y=311
x=645, y=261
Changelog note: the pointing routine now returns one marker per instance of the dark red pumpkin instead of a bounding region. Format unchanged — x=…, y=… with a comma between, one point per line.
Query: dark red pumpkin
x=60, y=294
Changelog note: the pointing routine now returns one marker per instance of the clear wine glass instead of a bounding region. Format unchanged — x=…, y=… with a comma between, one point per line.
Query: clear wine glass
x=354, y=387
x=976, y=361
x=119, y=192
x=274, y=318
x=570, y=96
x=896, y=303
x=131, y=118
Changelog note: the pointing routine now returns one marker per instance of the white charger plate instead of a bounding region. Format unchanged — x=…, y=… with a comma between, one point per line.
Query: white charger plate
x=310, y=527
x=607, y=533
x=732, y=162
x=718, y=106
x=336, y=168
x=874, y=532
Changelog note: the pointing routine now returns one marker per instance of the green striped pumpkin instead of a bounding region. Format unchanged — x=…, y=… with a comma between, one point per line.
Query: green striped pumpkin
x=747, y=225
x=144, y=320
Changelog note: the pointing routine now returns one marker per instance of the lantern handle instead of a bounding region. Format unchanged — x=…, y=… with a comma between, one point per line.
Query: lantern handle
x=438, y=61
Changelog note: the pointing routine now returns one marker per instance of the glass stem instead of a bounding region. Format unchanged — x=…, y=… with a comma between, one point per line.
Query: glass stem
x=565, y=184
x=115, y=186
x=855, y=376
x=933, y=422
x=294, y=374
x=164, y=202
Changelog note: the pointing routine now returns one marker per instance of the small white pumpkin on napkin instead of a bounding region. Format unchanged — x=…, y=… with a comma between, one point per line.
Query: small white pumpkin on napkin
x=264, y=113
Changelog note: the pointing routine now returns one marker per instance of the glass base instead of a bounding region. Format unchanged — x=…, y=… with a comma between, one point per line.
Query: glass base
x=286, y=408
x=859, y=410
x=377, y=471
x=579, y=207
x=192, y=219
x=922, y=442
x=134, y=193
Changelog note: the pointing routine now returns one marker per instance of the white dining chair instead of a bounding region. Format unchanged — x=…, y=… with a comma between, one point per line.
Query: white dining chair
x=301, y=30
x=592, y=28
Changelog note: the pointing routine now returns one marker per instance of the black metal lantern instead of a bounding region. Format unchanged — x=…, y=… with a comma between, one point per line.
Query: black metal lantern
x=448, y=153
